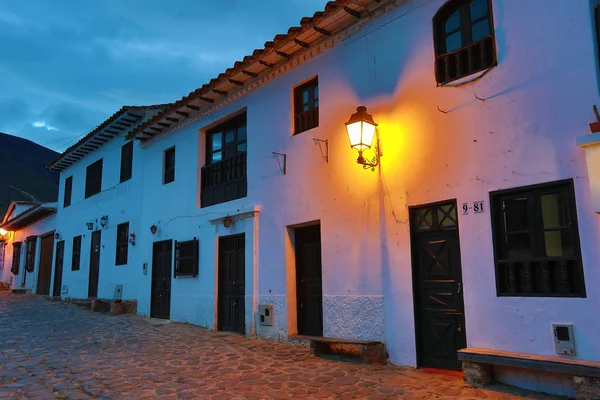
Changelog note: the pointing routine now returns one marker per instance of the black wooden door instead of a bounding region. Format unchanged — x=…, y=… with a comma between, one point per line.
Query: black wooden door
x=160, y=302
x=94, y=264
x=58, y=268
x=437, y=279
x=232, y=284
x=45, y=271
x=309, y=280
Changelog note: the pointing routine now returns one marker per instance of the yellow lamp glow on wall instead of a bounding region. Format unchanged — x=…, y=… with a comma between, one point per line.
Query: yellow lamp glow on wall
x=362, y=130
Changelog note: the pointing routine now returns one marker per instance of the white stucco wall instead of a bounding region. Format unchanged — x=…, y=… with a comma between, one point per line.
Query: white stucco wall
x=537, y=101
x=121, y=203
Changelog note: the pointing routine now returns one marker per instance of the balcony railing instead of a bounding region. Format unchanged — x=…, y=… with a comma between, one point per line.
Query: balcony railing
x=224, y=181
x=466, y=61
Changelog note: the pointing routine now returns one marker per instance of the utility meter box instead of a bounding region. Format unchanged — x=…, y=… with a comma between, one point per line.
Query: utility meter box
x=118, y=292
x=265, y=312
x=564, y=339
x=65, y=289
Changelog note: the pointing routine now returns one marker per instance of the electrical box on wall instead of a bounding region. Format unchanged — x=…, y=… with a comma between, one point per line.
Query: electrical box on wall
x=564, y=339
x=265, y=312
x=65, y=289
x=118, y=292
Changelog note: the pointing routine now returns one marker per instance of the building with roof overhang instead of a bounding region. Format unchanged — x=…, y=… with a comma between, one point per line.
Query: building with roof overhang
x=27, y=246
x=398, y=171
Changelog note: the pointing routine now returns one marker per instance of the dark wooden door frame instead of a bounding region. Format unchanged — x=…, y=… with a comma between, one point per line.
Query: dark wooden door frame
x=59, y=256
x=419, y=342
x=154, y=295
x=306, y=305
x=240, y=323
x=45, y=270
x=94, y=272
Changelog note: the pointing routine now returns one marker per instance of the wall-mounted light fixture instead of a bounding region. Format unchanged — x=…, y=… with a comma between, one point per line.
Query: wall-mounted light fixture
x=104, y=221
x=227, y=222
x=153, y=229
x=132, y=239
x=362, y=132
x=57, y=235
x=3, y=234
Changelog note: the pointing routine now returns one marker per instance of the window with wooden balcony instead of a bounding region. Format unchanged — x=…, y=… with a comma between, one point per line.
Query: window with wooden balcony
x=223, y=177
x=464, y=40
x=76, y=257
x=536, y=241
x=306, y=106
x=169, y=165
x=93, y=179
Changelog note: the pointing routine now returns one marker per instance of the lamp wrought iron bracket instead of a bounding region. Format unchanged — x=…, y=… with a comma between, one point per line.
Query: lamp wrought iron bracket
x=282, y=161
x=323, y=147
x=373, y=162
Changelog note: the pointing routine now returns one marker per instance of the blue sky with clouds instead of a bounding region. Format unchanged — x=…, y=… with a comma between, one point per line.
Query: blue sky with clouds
x=67, y=65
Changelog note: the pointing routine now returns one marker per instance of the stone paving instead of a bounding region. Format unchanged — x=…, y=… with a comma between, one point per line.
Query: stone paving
x=51, y=350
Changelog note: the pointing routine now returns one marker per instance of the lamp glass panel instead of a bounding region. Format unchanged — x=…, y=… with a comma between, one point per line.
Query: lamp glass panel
x=355, y=135
x=368, y=132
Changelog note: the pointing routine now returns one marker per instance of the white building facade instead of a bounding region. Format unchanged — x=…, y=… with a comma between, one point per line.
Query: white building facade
x=476, y=228
x=27, y=245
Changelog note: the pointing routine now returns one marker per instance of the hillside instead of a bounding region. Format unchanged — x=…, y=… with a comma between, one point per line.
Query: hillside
x=23, y=173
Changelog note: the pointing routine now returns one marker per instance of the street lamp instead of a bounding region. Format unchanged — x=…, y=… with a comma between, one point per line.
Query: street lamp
x=362, y=130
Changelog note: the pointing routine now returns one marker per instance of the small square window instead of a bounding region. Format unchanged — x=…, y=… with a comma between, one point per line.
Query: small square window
x=186, y=258
x=306, y=106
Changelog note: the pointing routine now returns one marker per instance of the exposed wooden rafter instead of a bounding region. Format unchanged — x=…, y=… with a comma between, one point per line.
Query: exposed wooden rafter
x=206, y=99
x=352, y=12
x=239, y=83
x=266, y=64
x=221, y=92
x=301, y=43
x=322, y=31
x=250, y=74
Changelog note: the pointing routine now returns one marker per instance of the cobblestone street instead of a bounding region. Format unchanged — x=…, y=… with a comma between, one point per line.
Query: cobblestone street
x=50, y=350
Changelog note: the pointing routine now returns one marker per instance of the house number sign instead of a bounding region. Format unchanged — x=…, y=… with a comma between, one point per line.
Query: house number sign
x=90, y=225
x=477, y=207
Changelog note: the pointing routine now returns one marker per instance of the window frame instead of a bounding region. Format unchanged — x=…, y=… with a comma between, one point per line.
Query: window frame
x=298, y=104
x=16, y=260
x=194, y=258
x=93, y=178
x=126, y=170
x=76, y=254
x=442, y=55
x=122, y=247
x=30, y=248
x=169, y=176
x=236, y=123
x=68, y=192
x=536, y=230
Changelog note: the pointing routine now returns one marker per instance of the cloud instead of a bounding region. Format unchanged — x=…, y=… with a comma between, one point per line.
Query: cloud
x=68, y=65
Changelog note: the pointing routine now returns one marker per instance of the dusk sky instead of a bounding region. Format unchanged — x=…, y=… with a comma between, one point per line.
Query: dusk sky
x=67, y=65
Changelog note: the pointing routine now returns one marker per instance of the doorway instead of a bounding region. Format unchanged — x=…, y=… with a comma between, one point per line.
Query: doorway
x=232, y=284
x=309, y=280
x=94, y=264
x=437, y=284
x=58, y=268
x=45, y=270
x=160, y=302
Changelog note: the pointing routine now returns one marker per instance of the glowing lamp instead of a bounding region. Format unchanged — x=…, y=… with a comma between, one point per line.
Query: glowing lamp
x=227, y=222
x=3, y=232
x=361, y=132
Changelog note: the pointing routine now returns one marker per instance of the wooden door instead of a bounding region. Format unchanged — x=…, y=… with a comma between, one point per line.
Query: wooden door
x=160, y=302
x=232, y=284
x=58, y=268
x=94, y=264
x=45, y=271
x=437, y=281
x=309, y=281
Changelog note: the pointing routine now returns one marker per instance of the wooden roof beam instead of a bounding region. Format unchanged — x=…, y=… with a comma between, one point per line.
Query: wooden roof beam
x=301, y=43
x=193, y=108
x=352, y=12
x=321, y=31
x=283, y=55
x=221, y=92
x=184, y=114
x=250, y=74
x=171, y=119
x=238, y=83
x=206, y=99
x=266, y=64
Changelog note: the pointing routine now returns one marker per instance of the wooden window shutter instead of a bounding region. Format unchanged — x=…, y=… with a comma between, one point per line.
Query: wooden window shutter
x=30, y=253
x=598, y=31
x=16, y=258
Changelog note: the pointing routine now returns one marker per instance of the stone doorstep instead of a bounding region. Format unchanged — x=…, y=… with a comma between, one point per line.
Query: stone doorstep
x=371, y=352
x=587, y=388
